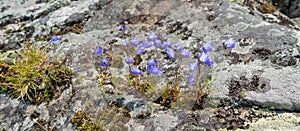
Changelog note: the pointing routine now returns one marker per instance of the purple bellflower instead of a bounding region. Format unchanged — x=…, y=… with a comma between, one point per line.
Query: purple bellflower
x=170, y=52
x=156, y=71
x=125, y=43
x=149, y=69
x=185, y=53
x=104, y=62
x=178, y=47
x=123, y=27
x=230, y=43
x=167, y=43
x=134, y=42
x=193, y=66
x=153, y=70
x=146, y=44
x=203, y=57
x=128, y=60
x=191, y=79
x=140, y=50
x=152, y=62
x=207, y=47
x=54, y=39
x=135, y=71
x=158, y=43
x=99, y=51
x=152, y=36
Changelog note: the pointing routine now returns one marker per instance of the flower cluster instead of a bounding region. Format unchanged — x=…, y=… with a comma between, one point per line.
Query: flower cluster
x=104, y=61
x=203, y=57
x=152, y=69
x=171, y=51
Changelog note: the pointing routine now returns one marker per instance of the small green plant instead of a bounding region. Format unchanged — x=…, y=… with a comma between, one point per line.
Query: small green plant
x=33, y=78
x=267, y=8
x=84, y=123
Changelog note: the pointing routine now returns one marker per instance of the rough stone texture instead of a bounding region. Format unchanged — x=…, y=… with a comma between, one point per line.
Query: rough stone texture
x=281, y=122
x=289, y=7
x=266, y=57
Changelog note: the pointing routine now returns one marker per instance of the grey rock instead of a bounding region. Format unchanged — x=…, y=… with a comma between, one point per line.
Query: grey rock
x=288, y=7
x=266, y=57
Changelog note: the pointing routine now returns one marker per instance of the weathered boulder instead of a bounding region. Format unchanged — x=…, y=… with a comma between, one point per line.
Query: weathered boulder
x=289, y=7
x=263, y=68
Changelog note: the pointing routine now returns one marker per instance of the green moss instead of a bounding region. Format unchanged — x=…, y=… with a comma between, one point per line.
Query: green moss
x=84, y=123
x=267, y=8
x=33, y=78
x=243, y=95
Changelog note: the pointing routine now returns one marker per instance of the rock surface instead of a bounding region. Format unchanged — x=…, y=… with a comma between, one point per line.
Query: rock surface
x=263, y=69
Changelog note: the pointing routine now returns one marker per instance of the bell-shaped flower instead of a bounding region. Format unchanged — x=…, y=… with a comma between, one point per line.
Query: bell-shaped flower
x=207, y=47
x=191, y=79
x=99, y=51
x=123, y=27
x=230, y=43
x=167, y=44
x=129, y=60
x=54, y=39
x=134, y=42
x=135, y=71
x=149, y=69
x=203, y=57
x=193, y=66
x=158, y=43
x=140, y=50
x=185, y=53
x=156, y=71
x=146, y=44
x=152, y=36
x=170, y=52
x=104, y=62
x=152, y=62
x=178, y=47
x=125, y=43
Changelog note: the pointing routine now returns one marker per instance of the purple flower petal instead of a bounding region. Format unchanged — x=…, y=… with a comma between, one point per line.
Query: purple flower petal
x=125, y=43
x=158, y=43
x=191, y=79
x=149, y=69
x=170, y=52
x=129, y=60
x=135, y=71
x=140, y=50
x=152, y=36
x=123, y=27
x=152, y=62
x=178, y=47
x=54, y=39
x=104, y=62
x=205, y=59
x=208, y=62
x=207, y=47
x=146, y=44
x=185, y=53
x=156, y=71
x=99, y=51
x=230, y=43
x=134, y=42
x=193, y=66
x=167, y=44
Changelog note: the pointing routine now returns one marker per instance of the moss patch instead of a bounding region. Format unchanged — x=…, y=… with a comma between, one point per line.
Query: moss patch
x=33, y=78
x=267, y=8
x=84, y=123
